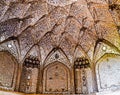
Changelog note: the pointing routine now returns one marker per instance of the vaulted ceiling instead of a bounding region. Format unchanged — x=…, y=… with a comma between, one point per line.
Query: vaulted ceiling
x=53, y=23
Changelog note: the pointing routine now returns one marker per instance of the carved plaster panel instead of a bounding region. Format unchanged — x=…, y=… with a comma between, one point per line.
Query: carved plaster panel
x=59, y=56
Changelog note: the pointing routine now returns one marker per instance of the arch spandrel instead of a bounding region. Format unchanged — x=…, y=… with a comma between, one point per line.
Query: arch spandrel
x=102, y=49
x=11, y=47
x=34, y=51
x=59, y=56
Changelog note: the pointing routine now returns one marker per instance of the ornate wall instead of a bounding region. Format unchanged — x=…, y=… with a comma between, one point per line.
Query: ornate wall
x=57, y=75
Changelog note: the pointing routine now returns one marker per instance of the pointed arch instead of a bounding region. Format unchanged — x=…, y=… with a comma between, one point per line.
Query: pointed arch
x=107, y=72
x=9, y=64
x=34, y=50
x=57, y=77
x=79, y=52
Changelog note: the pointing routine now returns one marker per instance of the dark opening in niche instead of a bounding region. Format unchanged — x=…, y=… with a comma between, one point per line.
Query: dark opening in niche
x=50, y=78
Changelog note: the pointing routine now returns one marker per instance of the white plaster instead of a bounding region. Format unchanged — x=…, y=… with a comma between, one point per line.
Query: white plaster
x=108, y=74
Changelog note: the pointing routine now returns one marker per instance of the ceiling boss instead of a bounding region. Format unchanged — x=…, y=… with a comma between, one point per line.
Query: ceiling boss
x=60, y=2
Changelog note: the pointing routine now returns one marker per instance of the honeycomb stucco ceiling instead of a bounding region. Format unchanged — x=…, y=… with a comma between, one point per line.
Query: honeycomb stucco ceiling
x=79, y=23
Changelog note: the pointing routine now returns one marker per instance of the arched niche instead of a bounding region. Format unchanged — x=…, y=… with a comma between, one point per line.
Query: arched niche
x=56, y=78
x=29, y=76
x=8, y=71
x=83, y=76
x=80, y=56
x=108, y=72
